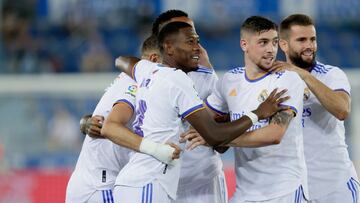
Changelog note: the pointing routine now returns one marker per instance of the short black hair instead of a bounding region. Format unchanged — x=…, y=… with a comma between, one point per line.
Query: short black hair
x=149, y=44
x=166, y=16
x=291, y=20
x=168, y=30
x=257, y=24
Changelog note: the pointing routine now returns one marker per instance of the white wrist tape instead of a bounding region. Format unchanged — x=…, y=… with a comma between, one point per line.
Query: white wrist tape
x=253, y=117
x=161, y=152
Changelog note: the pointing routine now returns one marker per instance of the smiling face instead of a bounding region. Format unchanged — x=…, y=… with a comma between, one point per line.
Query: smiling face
x=260, y=48
x=186, y=49
x=300, y=47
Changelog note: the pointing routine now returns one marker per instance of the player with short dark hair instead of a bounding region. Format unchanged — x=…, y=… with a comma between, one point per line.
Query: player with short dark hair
x=331, y=173
x=165, y=97
x=275, y=173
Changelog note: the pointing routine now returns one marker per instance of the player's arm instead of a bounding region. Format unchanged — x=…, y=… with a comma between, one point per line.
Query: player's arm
x=335, y=102
x=126, y=64
x=216, y=134
x=115, y=129
x=91, y=125
x=268, y=135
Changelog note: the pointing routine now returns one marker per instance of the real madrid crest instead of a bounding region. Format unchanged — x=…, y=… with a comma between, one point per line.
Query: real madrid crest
x=263, y=95
x=306, y=94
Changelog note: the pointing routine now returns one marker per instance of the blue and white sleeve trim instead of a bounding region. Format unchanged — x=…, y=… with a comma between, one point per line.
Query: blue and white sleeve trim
x=212, y=108
x=192, y=110
x=342, y=90
x=127, y=102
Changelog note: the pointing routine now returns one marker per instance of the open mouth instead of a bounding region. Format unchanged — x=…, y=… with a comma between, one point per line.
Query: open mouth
x=268, y=59
x=307, y=53
x=195, y=57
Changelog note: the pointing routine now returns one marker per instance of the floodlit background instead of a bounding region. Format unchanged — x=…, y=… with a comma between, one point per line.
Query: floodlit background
x=57, y=57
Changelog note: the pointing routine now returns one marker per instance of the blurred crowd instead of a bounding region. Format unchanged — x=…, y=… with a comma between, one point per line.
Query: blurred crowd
x=56, y=36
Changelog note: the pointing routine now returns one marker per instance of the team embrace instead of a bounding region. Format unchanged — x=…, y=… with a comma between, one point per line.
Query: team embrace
x=284, y=120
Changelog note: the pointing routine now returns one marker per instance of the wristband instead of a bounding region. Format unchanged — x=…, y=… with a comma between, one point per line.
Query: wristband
x=161, y=152
x=253, y=117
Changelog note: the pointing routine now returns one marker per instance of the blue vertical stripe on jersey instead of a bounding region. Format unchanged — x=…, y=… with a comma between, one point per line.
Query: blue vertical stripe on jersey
x=103, y=196
x=147, y=193
x=111, y=198
x=356, y=189
x=143, y=194
x=297, y=195
x=352, y=192
x=151, y=190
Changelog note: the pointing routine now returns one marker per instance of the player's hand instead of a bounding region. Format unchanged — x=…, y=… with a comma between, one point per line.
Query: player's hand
x=177, y=151
x=93, y=126
x=272, y=104
x=166, y=153
x=193, y=137
x=204, y=58
x=280, y=66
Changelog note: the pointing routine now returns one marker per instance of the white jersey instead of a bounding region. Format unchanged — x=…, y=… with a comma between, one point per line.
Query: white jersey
x=266, y=172
x=165, y=96
x=202, y=164
x=100, y=160
x=327, y=158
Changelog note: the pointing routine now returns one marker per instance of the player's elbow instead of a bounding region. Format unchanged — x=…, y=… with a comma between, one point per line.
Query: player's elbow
x=213, y=141
x=342, y=115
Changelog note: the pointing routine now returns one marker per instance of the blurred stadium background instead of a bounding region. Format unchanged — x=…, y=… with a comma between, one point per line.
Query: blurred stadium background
x=57, y=58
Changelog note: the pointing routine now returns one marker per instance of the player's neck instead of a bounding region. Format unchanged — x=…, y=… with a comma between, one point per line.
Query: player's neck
x=254, y=72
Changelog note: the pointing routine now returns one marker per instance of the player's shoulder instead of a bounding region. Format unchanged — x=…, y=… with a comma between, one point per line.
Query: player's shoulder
x=121, y=81
x=233, y=74
x=236, y=71
x=321, y=70
x=324, y=69
x=204, y=70
x=288, y=77
x=177, y=78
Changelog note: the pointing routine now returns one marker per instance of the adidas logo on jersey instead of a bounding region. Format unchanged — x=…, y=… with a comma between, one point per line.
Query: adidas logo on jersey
x=233, y=93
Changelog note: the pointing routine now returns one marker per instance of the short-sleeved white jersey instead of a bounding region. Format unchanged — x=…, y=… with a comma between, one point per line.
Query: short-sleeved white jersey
x=326, y=153
x=266, y=172
x=202, y=164
x=100, y=160
x=165, y=96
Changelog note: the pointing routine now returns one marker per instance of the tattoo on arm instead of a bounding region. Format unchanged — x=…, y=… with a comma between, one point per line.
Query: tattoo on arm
x=281, y=118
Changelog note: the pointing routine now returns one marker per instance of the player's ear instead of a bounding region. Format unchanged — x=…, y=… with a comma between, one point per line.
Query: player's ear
x=154, y=58
x=169, y=47
x=243, y=44
x=284, y=46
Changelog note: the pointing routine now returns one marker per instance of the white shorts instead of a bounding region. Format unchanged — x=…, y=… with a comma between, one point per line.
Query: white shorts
x=294, y=197
x=150, y=193
x=97, y=196
x=349, y=193
x=78, y=191
x=213, y=192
